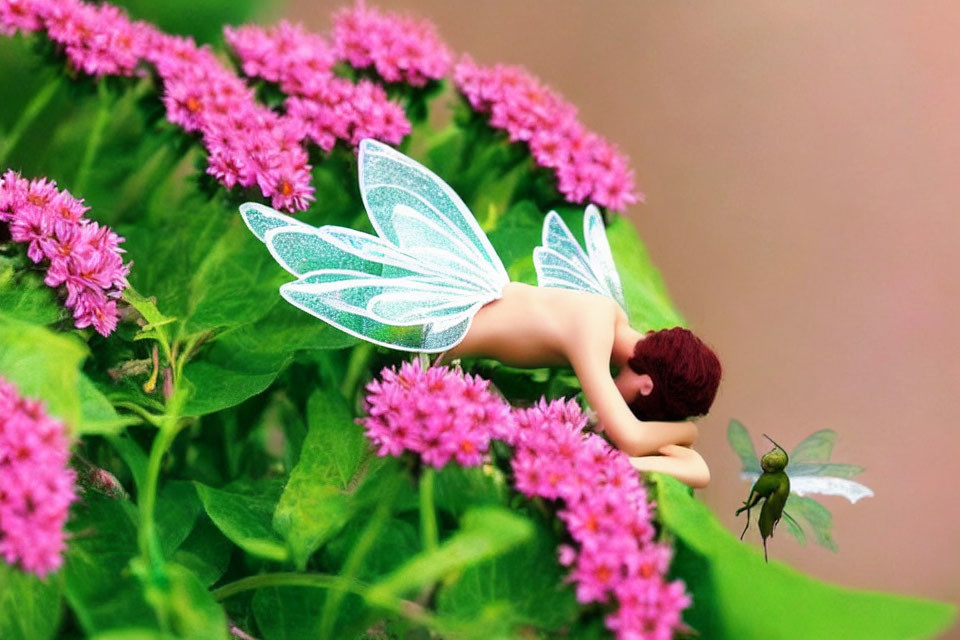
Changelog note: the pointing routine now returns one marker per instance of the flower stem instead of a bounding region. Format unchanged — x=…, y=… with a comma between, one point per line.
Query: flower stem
x=356, y=368
x=331, y=605
x=428, y=512
x=93, y=141
x=33, y=109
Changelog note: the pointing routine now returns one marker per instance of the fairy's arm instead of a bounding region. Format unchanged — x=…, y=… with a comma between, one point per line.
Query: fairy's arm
x=590, y=361
x=683, y=463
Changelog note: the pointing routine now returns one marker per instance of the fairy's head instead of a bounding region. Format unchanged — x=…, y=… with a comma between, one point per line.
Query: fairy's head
x=672, y=375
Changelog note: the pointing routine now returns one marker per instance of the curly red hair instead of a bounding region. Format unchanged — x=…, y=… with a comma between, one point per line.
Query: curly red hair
x=685, y=372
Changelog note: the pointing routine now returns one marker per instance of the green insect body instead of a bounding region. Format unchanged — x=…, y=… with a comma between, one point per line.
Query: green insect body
x=773, y=487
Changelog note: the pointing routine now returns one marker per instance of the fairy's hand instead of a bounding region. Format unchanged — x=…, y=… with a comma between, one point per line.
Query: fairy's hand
x=683, y=463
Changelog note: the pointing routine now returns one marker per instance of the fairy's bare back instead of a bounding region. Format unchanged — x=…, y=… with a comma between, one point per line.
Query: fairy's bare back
x=540, y=327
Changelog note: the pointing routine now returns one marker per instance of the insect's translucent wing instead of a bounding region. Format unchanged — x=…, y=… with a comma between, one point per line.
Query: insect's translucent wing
x=382, y=311
x=412, y=208
x=833, y=469
x=793, y=528
x=816, y=447
x=816, y=515
x=742, y=445
x=828, y=486
x=598, y=251
x=261, y=219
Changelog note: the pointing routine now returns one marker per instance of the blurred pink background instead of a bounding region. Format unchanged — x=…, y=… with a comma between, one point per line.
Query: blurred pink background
x=801, y=161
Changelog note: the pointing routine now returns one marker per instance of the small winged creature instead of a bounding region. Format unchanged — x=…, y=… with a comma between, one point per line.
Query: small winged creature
x=430, y=281
x=784, y=488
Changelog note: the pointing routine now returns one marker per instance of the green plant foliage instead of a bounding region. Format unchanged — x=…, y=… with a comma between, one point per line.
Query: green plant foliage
x=30, y=607
x=318, y=499
x=737, y=595
x=244, y=513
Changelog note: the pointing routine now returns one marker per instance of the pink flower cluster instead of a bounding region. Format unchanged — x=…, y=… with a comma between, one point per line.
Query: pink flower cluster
x=36, y=485
x=399, y=48
x=247, y=143
x=587, y=167
x=443, y=415
x=321, y=106
x=436, y=413
x=82, y=256
x=98, y=39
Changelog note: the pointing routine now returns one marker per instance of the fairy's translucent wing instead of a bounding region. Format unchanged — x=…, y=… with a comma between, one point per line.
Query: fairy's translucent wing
x=378, y=309
x=261, y=219
x=598, y=251
x=561, y=262
x=368, y=287
x=417, y=212
x=811, y=471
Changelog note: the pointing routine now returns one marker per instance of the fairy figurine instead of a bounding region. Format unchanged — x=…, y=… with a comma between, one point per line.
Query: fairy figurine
x=430, y=281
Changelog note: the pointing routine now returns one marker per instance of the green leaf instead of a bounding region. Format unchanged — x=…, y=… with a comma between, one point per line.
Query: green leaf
x=98, y=583
x=739, y=439
x=517, y=234
x=736, y=595
x=486, y=532
x=176, y=513
x=815, y=448
x=156, y=327
x=206, y=552
x=243, y=514
x=134, y=633
x=97, y=414
x=527, y=581
x=816, y=515
x=191, y=608
x=648, y=303
x=30, y=608
x=460, y=488
x=220, y=383
x=316, y=502
x=44, y=365
x=24, y=296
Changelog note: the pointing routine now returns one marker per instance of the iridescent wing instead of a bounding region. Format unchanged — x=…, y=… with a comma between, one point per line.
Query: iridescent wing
x=417, y=212
x=561, y=262
x=416, y=285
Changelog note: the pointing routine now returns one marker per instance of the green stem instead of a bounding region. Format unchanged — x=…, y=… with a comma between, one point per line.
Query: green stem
x=428, y=511
x=351, y=567
x=148, y=417
x=96, y=135
x=33, y=109
x=356, y=368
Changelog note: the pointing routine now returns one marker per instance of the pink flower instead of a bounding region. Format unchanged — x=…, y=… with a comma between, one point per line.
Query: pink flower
x=438, y=413
x=36, y=485
x=321, y=106
x=586, y=166
x=18, y=15
x=443, y=415
x=83, y=258
x=399, y=48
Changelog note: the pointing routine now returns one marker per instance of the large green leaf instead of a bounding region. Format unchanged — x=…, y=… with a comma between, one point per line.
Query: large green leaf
x=43, y=364
x=486, y=533
x=98, y=583
x=737, y=595
x=30, y=607
x=206, y=551
x=316, y=502
x=177, y=511
x=24, y=296
x=243, y=514
x=192, y=611
x=527, y=582
x=648, y=302
x=516, y=234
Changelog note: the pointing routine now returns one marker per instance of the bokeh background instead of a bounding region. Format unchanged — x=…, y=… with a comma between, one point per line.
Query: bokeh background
x=801, y=162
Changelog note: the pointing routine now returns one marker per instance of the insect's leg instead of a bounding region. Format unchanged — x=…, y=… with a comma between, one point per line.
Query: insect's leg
x=750, y=502
x=765, y=559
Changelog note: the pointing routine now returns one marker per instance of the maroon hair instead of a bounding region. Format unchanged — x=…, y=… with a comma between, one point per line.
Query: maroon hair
x=685, y=373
